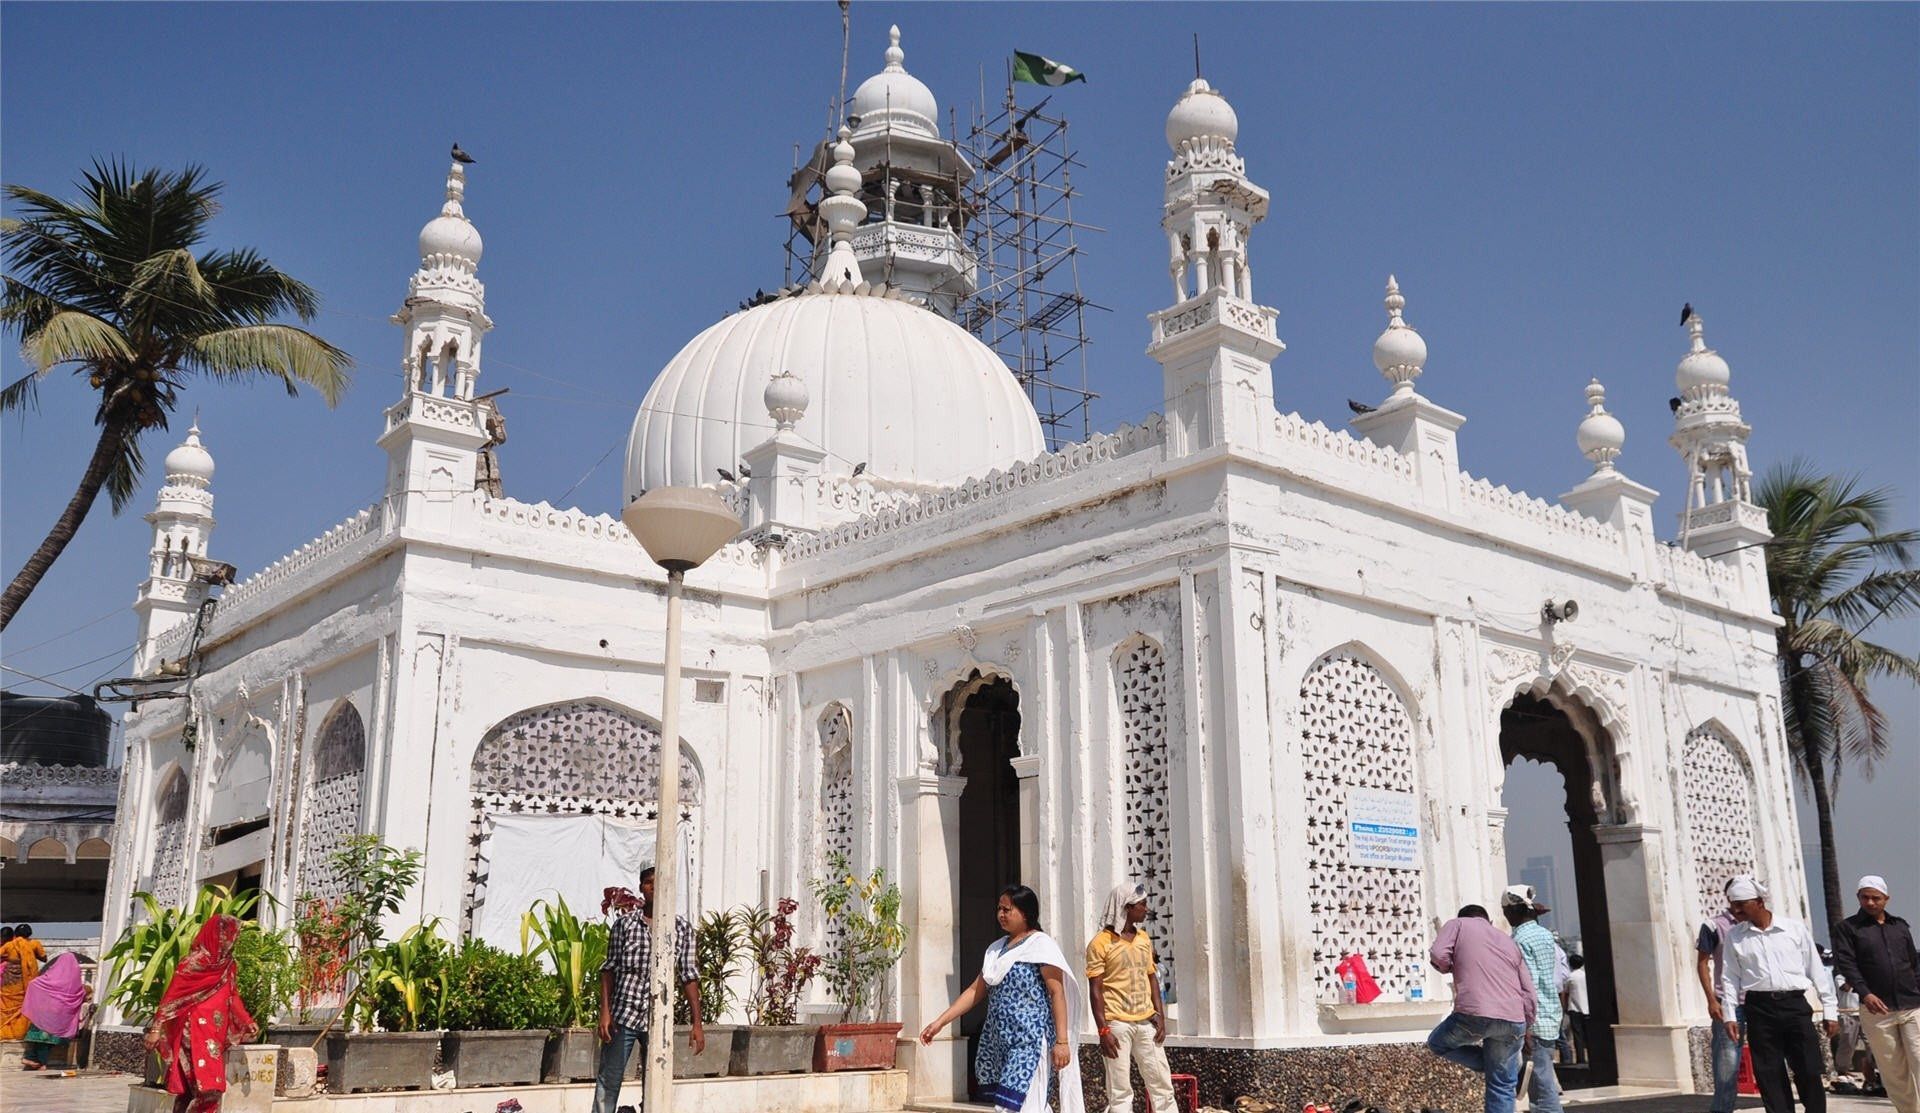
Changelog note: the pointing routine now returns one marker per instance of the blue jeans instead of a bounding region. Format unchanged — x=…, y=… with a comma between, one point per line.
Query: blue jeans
x=614, y=1056
x=1485, y=1046
x=1544, y=1091
x=1726, y=1068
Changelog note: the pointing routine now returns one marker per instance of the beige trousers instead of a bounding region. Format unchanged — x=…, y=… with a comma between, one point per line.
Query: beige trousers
x=1137, y=1047
x=1895, y=1039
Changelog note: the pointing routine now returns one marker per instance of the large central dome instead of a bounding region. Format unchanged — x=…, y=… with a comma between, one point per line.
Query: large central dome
x=893, y=385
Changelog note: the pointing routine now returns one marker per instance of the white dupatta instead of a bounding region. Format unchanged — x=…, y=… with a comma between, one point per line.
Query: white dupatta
x=1040, y=949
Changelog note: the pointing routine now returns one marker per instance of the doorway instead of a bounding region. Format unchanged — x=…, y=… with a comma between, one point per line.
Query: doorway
x=1550, y=780
x=983, y=716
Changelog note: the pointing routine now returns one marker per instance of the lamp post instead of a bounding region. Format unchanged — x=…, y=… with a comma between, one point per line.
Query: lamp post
x=679, y=527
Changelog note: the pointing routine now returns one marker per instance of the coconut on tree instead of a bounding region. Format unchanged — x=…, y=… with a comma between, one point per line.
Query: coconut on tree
x=116, y=286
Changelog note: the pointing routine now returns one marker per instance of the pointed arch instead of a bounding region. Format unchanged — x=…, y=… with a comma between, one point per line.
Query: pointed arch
x=331, y=801
x=166, y=864
x=1357, y=734
x=1716, y=792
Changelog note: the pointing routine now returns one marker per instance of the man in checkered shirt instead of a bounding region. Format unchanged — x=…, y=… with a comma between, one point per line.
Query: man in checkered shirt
x=625, y=997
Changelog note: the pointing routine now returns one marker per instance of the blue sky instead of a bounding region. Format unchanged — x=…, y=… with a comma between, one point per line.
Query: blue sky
x=1549, y=183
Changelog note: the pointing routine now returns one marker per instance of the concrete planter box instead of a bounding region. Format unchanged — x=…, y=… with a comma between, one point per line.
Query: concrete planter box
x=494, y=1058
x=772, y=1049
x=572, y=1055
x=381, y=1061
x=855, y=1047
x=711, y=1063
x=296, y=1035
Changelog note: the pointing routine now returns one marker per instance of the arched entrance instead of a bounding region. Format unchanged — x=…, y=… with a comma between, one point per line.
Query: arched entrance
x=982, y=717
x=1570, y=777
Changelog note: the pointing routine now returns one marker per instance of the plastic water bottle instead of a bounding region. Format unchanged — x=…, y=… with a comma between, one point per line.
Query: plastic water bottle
x=1349, y=988
x=1416, y=982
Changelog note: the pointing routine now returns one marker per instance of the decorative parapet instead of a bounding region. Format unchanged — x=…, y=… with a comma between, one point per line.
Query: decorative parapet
x=1555, y=520
x=1345, y=446
x=450, y=413
x=993, y=487
x=1733, y=511
x=19, y=778
x=273, y=585
x=1693, y=573
x=1209, y=307
x=542, y=522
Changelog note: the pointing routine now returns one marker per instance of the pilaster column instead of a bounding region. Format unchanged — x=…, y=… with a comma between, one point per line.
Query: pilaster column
x=930, y=810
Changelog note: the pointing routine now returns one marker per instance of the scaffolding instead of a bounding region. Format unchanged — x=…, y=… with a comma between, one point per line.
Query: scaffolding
x=1028, y=306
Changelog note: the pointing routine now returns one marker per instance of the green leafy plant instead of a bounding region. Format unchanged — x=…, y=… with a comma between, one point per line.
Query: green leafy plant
x=781, y=971
x=489, y=989
x=267, y=970
x=378, y=878
x=141, y=962
x=719, y=945
x=575, y=949
x=865, y=937
x=404, y=983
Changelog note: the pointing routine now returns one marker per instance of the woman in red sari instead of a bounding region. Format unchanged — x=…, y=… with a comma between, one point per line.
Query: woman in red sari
x=199, y=1018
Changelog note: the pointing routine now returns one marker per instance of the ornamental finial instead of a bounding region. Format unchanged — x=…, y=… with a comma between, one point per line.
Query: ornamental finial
x=456, y=191
x=843, y=211
x=1601, y=436
x=896, y=57
x=1399, y=353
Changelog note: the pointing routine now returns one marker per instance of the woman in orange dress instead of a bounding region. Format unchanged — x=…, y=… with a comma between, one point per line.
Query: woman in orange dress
x=20, y=959
x=199, y=1018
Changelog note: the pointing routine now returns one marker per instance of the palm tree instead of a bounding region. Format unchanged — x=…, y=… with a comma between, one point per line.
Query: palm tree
x=109, y=285
x=1835, y=570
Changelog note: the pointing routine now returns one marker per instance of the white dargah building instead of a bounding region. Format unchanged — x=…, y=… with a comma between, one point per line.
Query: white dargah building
x=1277, y=669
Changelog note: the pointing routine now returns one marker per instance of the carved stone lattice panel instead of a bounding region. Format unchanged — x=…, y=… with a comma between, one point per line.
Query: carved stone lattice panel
x=1140, y=680
x=1356, y=733
x=331, y=814
x=172, y=805
x=1719, y=807
x=342, y=745
x=167, y=877
x=836, y=800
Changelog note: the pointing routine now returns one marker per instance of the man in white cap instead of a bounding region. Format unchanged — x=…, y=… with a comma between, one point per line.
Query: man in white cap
x=1123, y=985
x=1541, y=954
x=1873, y=949
x=1771, y=963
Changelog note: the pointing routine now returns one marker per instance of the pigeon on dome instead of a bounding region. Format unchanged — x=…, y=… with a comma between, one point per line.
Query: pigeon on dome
x=450, y=237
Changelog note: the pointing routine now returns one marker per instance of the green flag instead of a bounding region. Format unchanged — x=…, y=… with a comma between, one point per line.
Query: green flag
x=1036, y=70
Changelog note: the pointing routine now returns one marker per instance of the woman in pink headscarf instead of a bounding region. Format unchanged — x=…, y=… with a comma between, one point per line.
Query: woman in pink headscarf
x=56, y=1008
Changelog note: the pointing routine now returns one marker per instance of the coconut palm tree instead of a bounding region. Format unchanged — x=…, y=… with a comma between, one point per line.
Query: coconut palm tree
x=1835, y=570
x=109, y=284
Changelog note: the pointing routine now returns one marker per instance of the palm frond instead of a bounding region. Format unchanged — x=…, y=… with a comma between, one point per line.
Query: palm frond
x=22, y=392
x=71, y=335
x=172, y=274
x=292, y=354
x=123, y=476
x=1891, y=594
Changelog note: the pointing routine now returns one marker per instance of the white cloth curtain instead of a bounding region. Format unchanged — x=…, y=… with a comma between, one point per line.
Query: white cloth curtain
x=540, y=857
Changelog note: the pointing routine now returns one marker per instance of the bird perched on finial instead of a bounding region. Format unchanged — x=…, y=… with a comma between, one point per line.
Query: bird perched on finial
x=1359, y=407
x=1686, y=312
x=461, y=157
x=727, y=475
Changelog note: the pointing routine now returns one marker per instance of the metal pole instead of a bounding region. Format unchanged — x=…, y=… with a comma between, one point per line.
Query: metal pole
x=657, y=1092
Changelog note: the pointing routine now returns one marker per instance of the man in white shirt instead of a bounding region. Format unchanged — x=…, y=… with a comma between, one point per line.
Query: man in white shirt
x=1770, y=964
x=1577, y=1007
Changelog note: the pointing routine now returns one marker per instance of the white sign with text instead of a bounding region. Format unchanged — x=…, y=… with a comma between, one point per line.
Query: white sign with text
x=1383, y=828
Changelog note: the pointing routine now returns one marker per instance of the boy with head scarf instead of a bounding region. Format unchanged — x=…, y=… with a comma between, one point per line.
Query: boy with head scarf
x=1123, y=984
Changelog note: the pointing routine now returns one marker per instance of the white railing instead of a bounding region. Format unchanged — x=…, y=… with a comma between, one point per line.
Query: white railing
x=1342, y=445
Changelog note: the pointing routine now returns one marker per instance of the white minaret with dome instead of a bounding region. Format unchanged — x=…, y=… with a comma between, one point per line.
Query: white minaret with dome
x=1721, y=518
x=182, y=520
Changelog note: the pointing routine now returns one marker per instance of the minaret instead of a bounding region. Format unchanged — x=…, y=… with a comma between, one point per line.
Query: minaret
x=1606, y=494
x=1720, y=517
x=182, y=521
x=1214, y=344
x=911, y=220
x=1408, y=420
x=435, y=431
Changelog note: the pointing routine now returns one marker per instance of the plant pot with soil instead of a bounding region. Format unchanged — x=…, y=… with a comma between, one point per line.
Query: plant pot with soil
x=865, y=940
x=381, y=1060
x=497, y=1010
x=771, y=1049
x=771, y=1043
x=856, y=1046
x=572, y=1055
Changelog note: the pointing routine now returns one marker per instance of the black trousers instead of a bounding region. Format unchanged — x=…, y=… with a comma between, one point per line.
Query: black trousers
x=1781, y=1038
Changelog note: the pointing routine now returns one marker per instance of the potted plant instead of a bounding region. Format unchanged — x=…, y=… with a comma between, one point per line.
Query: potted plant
x=551, y=934
x=324, y=934
x=719, y=943
x=772, y=1043
x=141, y=962
x=396, y=1011
x=497, y=1011
x=865, y=939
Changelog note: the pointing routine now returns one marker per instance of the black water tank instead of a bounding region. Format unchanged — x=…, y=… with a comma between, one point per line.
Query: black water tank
x=53, y=730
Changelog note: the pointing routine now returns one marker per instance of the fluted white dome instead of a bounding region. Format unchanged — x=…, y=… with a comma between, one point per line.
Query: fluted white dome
x=891, y=384
x=191, y=458
x=893, y=97
x=452, y=236
x=1201, y=113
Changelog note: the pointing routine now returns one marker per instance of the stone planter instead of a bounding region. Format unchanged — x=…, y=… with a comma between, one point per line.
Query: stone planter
x=381, y=1061
x=855, y=1046
x=494, y=1058
x=771, y=1049
x=711, y=1063
x=572, y=1055
x=296, y=1035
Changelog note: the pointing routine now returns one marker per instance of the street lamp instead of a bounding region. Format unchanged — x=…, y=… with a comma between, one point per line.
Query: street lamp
x=679, y=527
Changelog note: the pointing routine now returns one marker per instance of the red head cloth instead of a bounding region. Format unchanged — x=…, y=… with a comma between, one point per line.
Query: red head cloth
x=206, y=973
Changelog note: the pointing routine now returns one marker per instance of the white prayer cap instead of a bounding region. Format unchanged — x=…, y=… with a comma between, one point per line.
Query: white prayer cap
x=1746, y=887
x=1875, y=882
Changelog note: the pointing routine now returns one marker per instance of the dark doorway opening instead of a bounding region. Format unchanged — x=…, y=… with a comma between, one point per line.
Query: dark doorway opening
x=1533, y=729
x=984, y=724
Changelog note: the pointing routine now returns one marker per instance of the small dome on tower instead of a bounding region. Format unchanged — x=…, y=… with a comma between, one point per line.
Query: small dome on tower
x=1701, y=366
x=1201, y=113
x=1600, y=436
x=893, y=97
x=451, y=235
x=191, y=459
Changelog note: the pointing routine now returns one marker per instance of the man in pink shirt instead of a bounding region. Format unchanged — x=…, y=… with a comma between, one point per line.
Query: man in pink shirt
x=1493, y=1003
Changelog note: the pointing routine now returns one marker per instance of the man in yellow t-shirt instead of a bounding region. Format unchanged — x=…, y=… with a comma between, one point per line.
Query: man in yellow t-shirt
x=1124, y=987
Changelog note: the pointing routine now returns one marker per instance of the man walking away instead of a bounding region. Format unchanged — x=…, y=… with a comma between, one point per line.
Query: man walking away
x=1577, y=1007
x=1771, y=963
x=1123, y=984
x=1710, y=955
x=1874, y=951
x=1541, y=955
x=626, y=992
x=1493, y=1003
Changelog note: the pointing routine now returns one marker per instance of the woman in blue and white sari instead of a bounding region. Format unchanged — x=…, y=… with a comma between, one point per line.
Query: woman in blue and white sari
x=1033, y=1013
